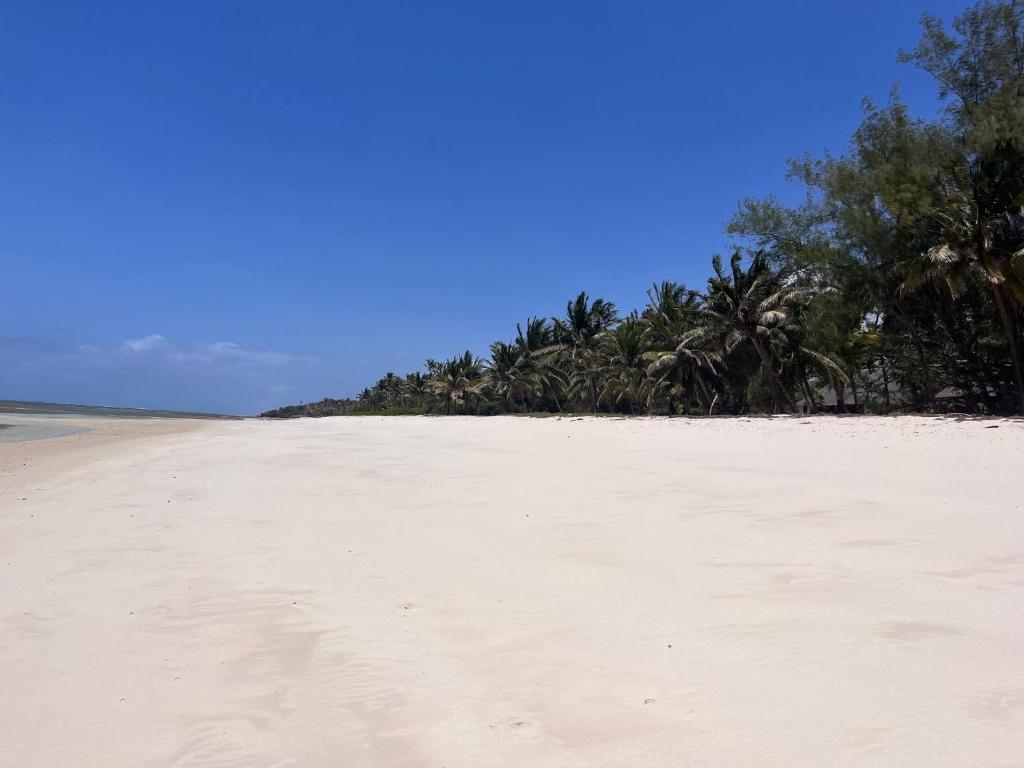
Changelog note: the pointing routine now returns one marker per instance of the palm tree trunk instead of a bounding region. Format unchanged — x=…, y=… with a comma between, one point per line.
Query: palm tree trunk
x=808, y=395
x=840, y=388
x=779, y=396
x=707, y=402
x=929, y=390
x=885, y=383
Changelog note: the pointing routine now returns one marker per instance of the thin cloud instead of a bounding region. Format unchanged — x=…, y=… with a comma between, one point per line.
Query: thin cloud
x=206, y=352
x=145, y=344
x=211, y=353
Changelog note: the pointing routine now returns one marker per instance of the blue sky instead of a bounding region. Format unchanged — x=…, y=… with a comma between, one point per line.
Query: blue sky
x=229, y=206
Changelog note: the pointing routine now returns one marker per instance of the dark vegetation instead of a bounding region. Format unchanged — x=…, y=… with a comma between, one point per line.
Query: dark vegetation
x=898, y=284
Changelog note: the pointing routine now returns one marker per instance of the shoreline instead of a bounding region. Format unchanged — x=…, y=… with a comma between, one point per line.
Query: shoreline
x=45, y=454
x=23, y=429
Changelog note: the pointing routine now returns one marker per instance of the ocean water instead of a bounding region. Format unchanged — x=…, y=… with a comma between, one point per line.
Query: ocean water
x=18, y=429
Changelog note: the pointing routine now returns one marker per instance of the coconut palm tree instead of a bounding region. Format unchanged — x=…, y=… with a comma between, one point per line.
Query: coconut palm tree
x=455, y=378
x=390, y=388
x=510, y=372
x=366, y=399
x=973, y=242
x=540, y=359
x=624, y=376
x=537, y=336
x=683, y=354
x=691, y=361
x=578, y=338
x=751, y=307
x=671, y=304
x=414, y=388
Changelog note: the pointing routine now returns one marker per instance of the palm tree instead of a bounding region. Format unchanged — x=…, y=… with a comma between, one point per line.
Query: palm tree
x=578, y=337
x=509, y=373
x=414, y=388
x=691, y=360
x=682, y=350
x=752, y=307
x=671, y=303
x=624, y=372
x=390, y=389
x=540, y=359
x=454, y=378
x=972, y=240
x=800, y=357
x=537, y=336
x=366, y=399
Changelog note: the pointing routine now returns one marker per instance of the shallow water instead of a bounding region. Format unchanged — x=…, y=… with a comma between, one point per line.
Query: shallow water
x=14, y=429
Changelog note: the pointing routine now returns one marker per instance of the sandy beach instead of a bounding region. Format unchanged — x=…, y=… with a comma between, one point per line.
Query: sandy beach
x=514, y=592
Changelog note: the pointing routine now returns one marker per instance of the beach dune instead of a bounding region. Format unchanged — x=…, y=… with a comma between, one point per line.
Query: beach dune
x=465, y=592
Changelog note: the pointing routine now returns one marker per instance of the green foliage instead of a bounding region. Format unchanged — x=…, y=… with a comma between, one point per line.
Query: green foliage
x=326, y=407
x=898, y=283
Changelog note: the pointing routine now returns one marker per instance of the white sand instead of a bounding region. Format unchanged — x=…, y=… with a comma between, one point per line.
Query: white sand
x=516, y=592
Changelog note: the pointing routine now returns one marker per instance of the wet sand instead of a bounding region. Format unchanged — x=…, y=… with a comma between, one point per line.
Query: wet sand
x=42, y=446
x=514, y=592
x=20, y=429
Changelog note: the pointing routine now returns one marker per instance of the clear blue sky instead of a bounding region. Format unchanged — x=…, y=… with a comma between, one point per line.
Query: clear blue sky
x=234, y=205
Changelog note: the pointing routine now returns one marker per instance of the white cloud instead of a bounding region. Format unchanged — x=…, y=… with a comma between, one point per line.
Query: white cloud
x=223, y=352
x=145, y=344
x=153, y=371
x=207, y=353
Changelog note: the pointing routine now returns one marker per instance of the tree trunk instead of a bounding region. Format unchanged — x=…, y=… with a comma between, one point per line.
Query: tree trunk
x=812, y=406
x=926, y=379
x=779, y=396
x=885, y=383
x=977, y=376
x=1010, y=329
x=707, y=402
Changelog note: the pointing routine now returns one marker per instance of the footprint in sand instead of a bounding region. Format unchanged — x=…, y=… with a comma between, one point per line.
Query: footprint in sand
x=519, y=728
x=916, y=631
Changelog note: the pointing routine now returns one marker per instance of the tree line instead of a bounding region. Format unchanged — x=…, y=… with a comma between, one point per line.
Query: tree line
x=897, y=284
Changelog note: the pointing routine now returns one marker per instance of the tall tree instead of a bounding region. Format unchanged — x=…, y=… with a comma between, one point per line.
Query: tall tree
x=454, y=379
x=975, y=228
x=625, y=382
x=752, y=306
x=578, y=336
